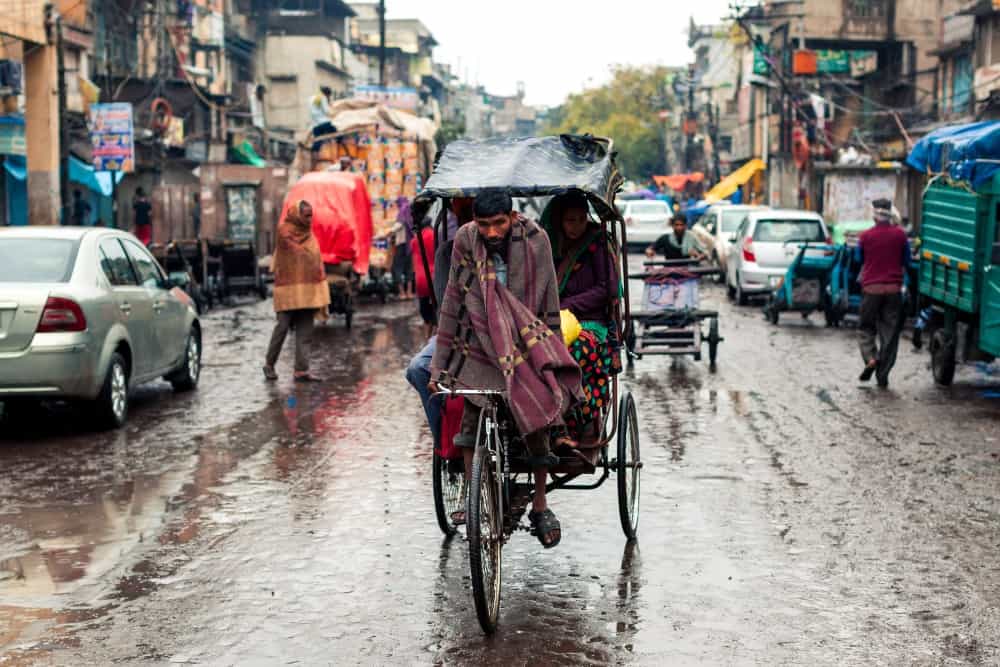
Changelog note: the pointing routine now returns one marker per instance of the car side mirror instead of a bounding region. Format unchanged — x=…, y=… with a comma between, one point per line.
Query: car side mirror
x=995, y=258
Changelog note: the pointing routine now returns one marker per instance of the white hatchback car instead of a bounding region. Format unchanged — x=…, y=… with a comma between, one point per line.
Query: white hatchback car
x=716, y=226
x=764, y=246
x=645, y=220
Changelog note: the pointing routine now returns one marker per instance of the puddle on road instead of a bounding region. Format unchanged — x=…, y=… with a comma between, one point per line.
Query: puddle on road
x=77, y=505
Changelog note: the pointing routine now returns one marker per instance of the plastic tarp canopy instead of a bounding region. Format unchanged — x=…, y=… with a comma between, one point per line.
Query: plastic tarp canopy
x=963, y=151
x=337, y=198
x=678, y=182
x=96, y=181
x=728, y=185
x=535, y=166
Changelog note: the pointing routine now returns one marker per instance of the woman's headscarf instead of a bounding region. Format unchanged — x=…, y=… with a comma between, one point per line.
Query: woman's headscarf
x=296, y=228
x=552, y=220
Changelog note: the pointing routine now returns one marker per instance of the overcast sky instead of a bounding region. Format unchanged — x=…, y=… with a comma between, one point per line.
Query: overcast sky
x=555, y=46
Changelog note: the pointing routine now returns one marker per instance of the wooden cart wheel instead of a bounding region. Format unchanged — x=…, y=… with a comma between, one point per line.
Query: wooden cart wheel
x=713, y=343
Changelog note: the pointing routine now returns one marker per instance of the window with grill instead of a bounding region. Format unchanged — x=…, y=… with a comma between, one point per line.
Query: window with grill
x=865, y=9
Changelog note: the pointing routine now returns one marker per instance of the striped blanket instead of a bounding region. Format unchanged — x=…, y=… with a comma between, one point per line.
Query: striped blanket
x=507, y=338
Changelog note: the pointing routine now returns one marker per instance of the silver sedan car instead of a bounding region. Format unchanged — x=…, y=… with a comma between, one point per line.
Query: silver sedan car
x=85, y=314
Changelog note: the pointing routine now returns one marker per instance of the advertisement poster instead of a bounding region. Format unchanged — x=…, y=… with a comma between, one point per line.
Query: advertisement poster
x=111, y=137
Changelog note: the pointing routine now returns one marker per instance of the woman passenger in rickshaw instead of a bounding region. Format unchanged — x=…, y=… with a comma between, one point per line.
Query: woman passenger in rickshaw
x=588, y=281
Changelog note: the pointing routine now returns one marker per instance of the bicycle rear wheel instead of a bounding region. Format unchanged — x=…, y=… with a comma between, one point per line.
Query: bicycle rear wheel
x=484, y=529
x=449, y=493
x=629, y=466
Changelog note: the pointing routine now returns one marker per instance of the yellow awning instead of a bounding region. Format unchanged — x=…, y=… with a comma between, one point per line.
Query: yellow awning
x=730, y=183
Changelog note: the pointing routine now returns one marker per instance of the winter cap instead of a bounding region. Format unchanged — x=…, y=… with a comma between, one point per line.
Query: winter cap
x=882, y=210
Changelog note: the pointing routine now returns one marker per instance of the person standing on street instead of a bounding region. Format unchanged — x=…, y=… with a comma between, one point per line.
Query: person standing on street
x=143, y=220
x=300, y=288
x=81, y=209
x=884, y=253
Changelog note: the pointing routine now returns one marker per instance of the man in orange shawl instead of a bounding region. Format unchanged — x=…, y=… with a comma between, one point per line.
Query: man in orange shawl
x=300, y=288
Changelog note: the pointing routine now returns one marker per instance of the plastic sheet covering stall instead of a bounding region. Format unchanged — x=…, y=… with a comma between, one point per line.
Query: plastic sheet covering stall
x=968, y=152
x=538, y=166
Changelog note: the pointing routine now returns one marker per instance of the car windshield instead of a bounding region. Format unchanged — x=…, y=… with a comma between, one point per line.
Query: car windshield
x=731, y=220
x=648, y=208
x=36, y=260
x=782, y=231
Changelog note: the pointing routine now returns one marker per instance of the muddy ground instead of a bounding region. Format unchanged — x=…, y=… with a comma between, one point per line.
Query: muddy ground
x=789, y=516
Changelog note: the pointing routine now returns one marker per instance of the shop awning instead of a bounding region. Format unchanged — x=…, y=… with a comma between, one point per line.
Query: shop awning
x=678, y=182
x=730, y=183
x=245, y=154
x=16, y=167
x=97, y=181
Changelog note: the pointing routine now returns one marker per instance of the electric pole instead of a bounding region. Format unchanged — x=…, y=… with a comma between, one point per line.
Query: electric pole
x=689, y=126
x=381, y=43
x=64, y=217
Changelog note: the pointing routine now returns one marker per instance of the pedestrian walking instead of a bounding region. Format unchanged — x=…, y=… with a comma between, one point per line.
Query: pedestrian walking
x=143, y=220
x=423, y=288
x=402, y=261
x=300, y=288
x=884, y=252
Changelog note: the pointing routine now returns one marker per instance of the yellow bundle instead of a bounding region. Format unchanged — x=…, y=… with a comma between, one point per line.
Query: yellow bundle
x=570, y=326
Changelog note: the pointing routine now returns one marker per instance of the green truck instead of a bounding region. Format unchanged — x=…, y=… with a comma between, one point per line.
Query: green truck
x=960, y=272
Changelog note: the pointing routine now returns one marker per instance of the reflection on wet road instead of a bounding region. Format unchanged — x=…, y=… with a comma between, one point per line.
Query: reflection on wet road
x=788, y=517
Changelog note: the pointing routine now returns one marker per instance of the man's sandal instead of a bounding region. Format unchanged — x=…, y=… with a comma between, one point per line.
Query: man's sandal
x=544, y=524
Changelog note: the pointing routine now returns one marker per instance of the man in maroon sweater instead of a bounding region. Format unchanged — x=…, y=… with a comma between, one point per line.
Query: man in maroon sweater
x=885, y=253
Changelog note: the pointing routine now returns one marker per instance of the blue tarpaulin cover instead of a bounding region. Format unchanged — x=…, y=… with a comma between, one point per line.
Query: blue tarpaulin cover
x=965, y=152
x=97, y=181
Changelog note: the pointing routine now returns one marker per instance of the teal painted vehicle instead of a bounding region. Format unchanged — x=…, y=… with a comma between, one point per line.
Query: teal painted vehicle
x=960, y=271
x=806, y=285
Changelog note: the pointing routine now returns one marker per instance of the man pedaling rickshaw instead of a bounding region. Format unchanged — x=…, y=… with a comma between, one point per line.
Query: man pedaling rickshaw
x=499, y=329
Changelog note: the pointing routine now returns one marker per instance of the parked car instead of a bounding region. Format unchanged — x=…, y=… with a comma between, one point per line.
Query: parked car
x=764, y=245
x=87, y=313
x=714, y=229
x=646, y=220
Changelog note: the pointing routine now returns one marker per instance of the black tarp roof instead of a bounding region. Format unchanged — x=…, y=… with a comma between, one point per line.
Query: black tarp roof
x=536, y=166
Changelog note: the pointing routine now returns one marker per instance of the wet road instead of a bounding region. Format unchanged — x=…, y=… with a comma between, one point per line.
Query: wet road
x=789, y=516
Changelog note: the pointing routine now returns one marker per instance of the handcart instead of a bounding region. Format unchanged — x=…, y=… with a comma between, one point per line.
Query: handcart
x=806, y=287
x=181, y=273
x=670, y=322
x=241, y=272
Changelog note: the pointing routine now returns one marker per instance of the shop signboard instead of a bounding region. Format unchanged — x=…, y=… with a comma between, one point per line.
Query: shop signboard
x=393, y=97
x=112, y=139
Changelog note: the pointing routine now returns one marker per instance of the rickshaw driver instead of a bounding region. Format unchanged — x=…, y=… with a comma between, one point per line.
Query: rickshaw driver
x=499, y=328
x=677, y=243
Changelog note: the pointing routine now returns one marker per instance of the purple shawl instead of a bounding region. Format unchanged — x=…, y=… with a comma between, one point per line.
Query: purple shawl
x=507, y=338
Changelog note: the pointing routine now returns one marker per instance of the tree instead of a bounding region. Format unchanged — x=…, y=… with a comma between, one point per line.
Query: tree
x=625, y=110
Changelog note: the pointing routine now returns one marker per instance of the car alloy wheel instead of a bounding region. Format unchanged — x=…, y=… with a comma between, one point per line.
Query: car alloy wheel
x=119, y=391
x=193, y=359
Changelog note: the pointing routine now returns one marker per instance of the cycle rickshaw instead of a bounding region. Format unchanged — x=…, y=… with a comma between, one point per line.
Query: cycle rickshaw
x=499, y=491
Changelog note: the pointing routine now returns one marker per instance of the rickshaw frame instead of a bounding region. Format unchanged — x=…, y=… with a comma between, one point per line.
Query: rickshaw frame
x=496, y=501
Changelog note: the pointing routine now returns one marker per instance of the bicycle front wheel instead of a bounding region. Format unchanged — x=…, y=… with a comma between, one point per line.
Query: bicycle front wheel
x=484, y=528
